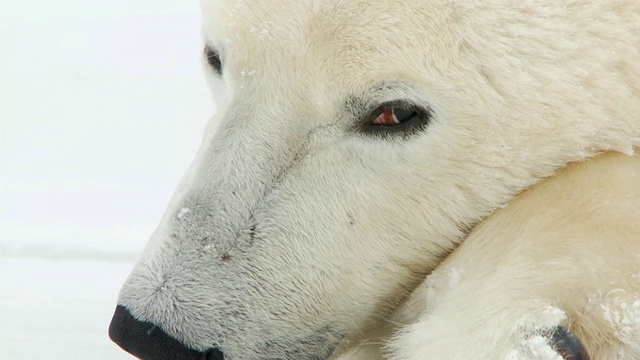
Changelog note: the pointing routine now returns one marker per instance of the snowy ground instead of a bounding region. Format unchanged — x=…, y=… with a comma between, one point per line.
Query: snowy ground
x=58, y=309
x=102, y=105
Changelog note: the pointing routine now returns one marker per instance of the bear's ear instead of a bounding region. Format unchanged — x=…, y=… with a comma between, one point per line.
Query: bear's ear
x=568, y=345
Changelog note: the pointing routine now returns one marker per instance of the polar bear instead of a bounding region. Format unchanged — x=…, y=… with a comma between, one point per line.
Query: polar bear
x=361, y=146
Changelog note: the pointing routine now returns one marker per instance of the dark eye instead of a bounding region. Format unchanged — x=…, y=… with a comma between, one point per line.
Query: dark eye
x=396, y=117
x=213, y=58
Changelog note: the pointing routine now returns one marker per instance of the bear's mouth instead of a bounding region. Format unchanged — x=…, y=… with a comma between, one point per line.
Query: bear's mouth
x=148, y=341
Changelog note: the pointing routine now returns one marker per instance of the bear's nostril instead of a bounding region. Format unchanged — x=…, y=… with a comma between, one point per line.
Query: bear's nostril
x=149, y=342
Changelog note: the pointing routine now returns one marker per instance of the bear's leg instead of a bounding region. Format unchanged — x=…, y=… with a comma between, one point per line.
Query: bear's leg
x=565, y=253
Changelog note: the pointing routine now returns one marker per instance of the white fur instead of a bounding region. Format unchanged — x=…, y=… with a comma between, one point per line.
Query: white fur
x=293, y=232
x=566, y=252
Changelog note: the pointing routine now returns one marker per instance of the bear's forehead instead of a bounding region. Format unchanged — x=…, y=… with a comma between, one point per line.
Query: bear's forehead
x=341, y=38
x=368, y=21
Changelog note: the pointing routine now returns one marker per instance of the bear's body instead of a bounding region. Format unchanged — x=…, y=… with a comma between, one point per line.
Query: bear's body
x=564, y=253
x=358, y=143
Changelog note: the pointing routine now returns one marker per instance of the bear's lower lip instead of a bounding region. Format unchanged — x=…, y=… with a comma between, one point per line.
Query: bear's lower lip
x=145, y=340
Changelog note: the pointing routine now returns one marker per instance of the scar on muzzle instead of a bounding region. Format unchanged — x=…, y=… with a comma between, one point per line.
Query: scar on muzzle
x=147, y=341
x=568, y=345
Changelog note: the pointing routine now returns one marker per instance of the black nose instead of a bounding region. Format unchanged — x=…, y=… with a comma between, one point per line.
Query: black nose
x=147, y=341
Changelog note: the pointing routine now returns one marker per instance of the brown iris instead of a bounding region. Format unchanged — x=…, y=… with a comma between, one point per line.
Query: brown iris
x=394, y=116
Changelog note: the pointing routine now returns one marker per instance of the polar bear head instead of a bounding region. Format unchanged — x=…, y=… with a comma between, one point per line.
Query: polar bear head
x=355, y=144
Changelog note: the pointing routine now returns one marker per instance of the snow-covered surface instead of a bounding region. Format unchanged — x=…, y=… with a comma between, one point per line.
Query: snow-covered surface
x=102, y=106
x=58, y=309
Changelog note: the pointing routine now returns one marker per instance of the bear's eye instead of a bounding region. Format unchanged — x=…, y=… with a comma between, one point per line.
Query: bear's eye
x=213, y=58
x=396, y=117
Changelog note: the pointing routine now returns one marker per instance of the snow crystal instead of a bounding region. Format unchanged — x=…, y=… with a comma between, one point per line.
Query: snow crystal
x=245, y=72
x=262, y=31
x=438, y=282
x=454, y=276
x=540, y=348
x=551, y=317
x=183, y=212
x=547, y=317
x=534, y=327
x=534, y=348
x=514, y=355
x=624, y=318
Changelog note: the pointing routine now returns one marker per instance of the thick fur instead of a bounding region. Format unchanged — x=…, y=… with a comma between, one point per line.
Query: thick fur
x=294, y=233
x=566, y=252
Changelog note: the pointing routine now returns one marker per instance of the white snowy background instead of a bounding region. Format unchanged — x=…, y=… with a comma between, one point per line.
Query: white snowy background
x=102, y=105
